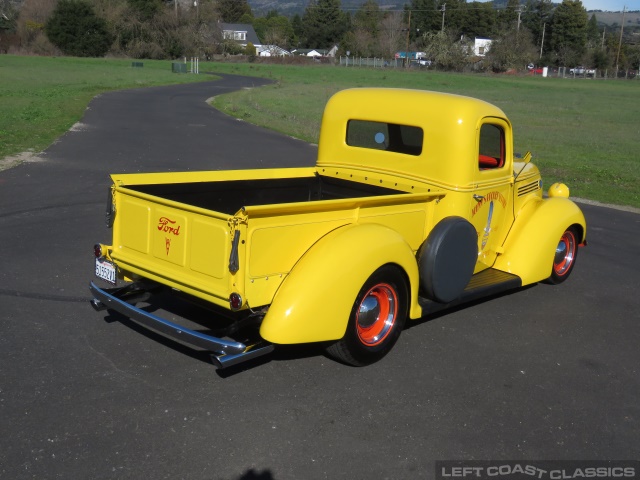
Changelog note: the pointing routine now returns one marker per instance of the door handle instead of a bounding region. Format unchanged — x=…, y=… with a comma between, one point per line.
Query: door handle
x=478, y=198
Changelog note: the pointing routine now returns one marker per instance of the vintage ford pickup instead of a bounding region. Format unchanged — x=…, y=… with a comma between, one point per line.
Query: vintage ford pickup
x=417, y=203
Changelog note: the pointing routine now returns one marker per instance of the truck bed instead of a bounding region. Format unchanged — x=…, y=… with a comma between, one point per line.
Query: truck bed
x=209, y=234
x=231, y=195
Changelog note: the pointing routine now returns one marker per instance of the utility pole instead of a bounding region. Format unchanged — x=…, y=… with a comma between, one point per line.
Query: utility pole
x=444, y=7
x=408, y=30
x=620, y=42
x=544, y=26
x=519, y=13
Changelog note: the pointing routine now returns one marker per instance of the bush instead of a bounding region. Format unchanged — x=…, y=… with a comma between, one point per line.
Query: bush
x=447, y=52
x=512, y=51
x=77, y=30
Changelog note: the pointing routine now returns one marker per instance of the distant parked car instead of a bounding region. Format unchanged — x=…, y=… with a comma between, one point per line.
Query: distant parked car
x=590, y=72
x=535, y=70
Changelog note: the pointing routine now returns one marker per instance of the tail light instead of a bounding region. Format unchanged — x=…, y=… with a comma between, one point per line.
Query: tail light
x=235, y=301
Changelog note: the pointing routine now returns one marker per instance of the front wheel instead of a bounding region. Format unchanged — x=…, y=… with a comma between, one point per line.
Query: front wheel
x=376, y=320
x=565, y=257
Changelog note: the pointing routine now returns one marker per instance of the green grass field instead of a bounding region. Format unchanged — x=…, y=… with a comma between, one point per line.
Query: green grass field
x=582, y=132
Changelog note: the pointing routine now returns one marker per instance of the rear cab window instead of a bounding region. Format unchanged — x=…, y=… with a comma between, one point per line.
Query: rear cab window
x=391, y=137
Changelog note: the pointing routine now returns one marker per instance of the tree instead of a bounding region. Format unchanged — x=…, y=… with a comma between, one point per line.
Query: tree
x=392, y=37
x=298, y=28
x=8, y=16
x=569, y=32
x=425, y=16
x=537, y=19
x=246, y=18
x=446, y=52
x=634, y=55
x=455, y=16
x=231, y=11
x=146, y=9
x=324, y=23
x=508, y=16
x=480, y=20
x=600, y=59
x=32, y=18
x=76, y=30
x=368, y=17
x=280, y=35
x=260, y=25
x=512, y=51
x=363, y=37
x=593, y=34
x=275, y=30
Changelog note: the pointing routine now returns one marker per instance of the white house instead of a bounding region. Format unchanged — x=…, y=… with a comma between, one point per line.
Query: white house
x=481, y=46
x=240, y=33
x=271, y=51
x=316, y=52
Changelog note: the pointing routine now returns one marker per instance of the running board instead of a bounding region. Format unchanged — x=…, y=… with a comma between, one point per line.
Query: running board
x=484, y=284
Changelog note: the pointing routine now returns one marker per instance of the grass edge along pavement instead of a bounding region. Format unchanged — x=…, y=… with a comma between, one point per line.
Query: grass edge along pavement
x=44, y=97
x=581, y=132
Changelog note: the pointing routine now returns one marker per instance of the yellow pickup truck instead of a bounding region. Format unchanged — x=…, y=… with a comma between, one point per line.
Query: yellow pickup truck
x=417, y=203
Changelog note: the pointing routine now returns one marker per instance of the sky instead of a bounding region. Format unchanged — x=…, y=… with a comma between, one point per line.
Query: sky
x=607, y=5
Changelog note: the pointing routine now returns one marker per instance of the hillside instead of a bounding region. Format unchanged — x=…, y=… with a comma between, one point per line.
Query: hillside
x=291, y=7
x=613, y=19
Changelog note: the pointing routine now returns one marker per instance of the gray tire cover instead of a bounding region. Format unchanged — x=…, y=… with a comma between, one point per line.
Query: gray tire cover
x=447, y=259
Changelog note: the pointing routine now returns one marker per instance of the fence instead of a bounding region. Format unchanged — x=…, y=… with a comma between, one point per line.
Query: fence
x=565, y=72
x=370, y=62
x=560, y=72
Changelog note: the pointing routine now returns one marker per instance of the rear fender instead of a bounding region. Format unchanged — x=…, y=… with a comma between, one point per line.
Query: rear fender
x=315, y=300
x=531, y=244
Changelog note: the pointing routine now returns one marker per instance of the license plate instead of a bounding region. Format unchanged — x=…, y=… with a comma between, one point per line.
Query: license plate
x=106, y=271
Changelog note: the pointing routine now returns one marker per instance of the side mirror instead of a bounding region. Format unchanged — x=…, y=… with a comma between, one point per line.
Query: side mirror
x=526, y=159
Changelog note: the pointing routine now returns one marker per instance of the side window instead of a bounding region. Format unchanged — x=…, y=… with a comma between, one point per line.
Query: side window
x=491, y=153
x=385, y=136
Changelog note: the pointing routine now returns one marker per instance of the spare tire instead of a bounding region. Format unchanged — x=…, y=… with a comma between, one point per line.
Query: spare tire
x=447, y=258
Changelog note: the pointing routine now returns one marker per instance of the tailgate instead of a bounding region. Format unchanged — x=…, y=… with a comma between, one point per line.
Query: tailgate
x=185, y=247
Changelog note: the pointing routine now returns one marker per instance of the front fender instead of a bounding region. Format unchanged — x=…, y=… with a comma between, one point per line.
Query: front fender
x=315, y=300
x=532, y=241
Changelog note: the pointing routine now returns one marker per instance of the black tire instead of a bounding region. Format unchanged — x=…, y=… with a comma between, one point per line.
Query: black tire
x=565, y=257
x=376, y=320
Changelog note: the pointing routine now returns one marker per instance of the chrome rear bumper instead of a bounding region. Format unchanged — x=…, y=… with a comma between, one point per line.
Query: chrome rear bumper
x=224, y=353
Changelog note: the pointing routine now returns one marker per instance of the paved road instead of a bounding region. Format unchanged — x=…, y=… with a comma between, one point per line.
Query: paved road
x=545, y=373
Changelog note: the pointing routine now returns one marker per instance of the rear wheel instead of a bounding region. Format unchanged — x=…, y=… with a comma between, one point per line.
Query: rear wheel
x=376, y=320
x=565, y=257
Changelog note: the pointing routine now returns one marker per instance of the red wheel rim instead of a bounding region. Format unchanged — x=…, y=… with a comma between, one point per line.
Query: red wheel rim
x=565, y=254
x=376, y=314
